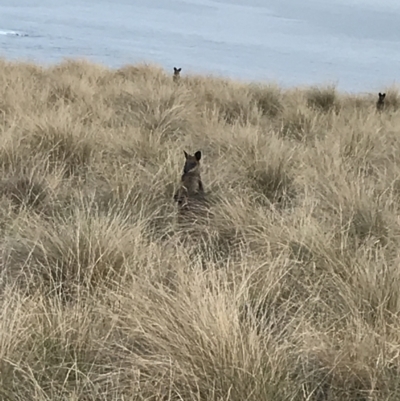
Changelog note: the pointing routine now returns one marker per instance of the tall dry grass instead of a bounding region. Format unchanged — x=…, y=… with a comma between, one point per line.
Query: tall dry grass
x=291, y=291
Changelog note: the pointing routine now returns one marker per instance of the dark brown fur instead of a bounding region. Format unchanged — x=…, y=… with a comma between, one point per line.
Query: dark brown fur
x=380, y=104
x=177, y=72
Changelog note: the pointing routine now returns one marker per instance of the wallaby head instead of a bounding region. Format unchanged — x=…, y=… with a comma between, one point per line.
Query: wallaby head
x=381, y=101
x=177, y=72
x=192, y=162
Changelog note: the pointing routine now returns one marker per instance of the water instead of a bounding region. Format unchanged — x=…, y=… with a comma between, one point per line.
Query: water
x=351, y=43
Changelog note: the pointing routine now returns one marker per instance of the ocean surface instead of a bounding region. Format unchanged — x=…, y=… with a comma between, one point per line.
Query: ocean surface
x=354, y=44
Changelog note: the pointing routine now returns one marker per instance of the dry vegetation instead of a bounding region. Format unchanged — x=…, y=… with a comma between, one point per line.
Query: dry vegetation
x=290, y=291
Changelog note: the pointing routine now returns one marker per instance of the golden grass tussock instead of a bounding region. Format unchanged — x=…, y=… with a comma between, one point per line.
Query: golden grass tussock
x=288, y=288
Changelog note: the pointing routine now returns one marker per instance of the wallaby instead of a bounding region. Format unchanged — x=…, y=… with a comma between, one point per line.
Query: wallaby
x=191, y=199
x=177, y=72
x=380, y=104
x=191, y=184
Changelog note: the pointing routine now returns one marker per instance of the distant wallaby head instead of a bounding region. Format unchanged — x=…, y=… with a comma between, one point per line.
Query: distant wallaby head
x=177, y=72
x=381, y=101
x=191, y=185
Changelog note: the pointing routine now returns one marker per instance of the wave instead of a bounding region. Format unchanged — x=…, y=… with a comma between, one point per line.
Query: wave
x=4, y=32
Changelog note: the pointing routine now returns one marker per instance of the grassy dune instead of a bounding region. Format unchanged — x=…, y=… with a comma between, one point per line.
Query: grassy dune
x=291, y=291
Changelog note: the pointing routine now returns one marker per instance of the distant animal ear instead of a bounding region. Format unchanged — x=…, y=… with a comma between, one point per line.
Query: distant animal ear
x=175, y=69
x=186, y=155
x=197, y=155
x=179, y=69
x=383, y=94
x=379, y=94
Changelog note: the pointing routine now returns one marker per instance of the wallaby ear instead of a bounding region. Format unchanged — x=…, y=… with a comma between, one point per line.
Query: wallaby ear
x=197, y=155
x=379, y=94
x=383, y=94
x=175, y=69
x=179, y=69
x=186, y=155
